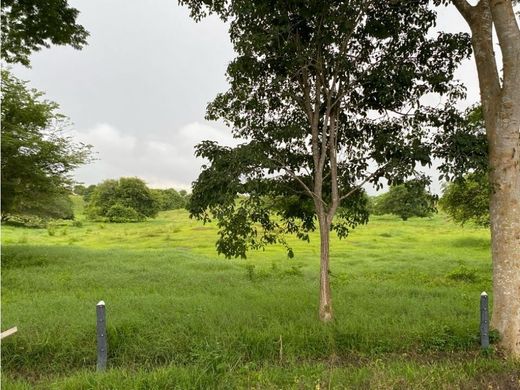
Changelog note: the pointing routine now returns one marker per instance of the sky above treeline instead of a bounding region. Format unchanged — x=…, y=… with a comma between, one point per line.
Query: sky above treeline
x=139, y=90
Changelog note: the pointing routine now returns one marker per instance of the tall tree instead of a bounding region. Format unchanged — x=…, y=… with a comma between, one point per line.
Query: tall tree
x=326, y=97
x=500, y=98
x=29, y=25
x=37, y=158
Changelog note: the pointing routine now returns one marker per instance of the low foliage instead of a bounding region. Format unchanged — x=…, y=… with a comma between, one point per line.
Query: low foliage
x=119, y=213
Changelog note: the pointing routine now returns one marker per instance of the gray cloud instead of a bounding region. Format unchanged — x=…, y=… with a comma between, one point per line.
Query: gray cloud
x=161, y=163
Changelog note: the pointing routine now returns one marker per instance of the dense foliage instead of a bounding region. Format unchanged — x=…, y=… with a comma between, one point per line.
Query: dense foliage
x=410, y=199
x=462, y=146
x=37, y=158
x=464, y=149
x=29, y=25
x=467, y=199
x=125, y=200
x=170, y=199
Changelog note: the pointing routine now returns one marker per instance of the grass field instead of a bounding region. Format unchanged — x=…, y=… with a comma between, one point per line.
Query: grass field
x=405, y=295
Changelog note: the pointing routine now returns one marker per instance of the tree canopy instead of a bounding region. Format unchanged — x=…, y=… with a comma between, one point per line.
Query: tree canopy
x=462, y=147
x=305, y=81
x=410, y=199
x=326, y=97
x=30, y=25
x=37, y=158
x=125, y=200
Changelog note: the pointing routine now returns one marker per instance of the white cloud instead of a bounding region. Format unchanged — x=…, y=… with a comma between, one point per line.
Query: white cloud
x=161, y=163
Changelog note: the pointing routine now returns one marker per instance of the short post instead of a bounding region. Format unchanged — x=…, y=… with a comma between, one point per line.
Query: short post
x=101, y=336
x=484, y=321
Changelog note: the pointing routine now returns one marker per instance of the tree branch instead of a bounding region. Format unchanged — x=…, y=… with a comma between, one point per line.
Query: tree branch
x=465, y=9
x=366, y=180
x=300, y=181
x=508, y=34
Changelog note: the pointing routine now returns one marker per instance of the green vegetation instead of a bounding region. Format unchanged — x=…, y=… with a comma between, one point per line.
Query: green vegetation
x=30, y=25
x=464, y=149
x=125, y=200
x=406, y=297
x=305, y=77
x=37, y=156
x=406, y=200
x=170, y=199
x=467, y=199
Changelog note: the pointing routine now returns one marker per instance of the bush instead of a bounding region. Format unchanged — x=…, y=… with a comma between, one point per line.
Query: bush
x=463, y=274
x=119, y=213
x=77, y=224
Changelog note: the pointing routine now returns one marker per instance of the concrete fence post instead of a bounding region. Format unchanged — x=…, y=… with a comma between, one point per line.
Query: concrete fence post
x=484, y=321
x=101, y=336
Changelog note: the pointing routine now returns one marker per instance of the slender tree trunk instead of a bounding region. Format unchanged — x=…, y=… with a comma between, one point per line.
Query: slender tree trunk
x=325, y=309
x=501, y=106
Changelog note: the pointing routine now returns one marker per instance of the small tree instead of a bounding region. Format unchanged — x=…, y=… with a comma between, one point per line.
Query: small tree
x=79, y=189
x=37, y=158
x=113, y=199
x=406, y=200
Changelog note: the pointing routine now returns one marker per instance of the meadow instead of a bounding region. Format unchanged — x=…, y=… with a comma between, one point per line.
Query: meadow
x=405, y=296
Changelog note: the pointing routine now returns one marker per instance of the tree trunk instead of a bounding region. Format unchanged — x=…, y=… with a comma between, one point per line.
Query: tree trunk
x=501, y=107
x=325, y=309
x=505, y=233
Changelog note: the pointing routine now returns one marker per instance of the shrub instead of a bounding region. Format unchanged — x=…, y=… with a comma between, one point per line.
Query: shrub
x=119, y=213
x=463, y=274
x=77, y=224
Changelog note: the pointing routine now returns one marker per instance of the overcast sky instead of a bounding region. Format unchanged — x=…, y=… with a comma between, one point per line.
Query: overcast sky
x=139, y=90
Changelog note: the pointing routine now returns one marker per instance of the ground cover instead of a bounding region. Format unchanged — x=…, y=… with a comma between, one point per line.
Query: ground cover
x=405, y=296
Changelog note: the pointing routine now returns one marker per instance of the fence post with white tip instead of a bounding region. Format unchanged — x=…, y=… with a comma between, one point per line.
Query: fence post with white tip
x=484, y=321
x=101, y=336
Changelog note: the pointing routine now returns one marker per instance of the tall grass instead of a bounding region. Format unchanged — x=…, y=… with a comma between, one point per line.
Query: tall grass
x=405, y=296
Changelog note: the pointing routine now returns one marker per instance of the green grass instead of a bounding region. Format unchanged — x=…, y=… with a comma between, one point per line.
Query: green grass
x=405, y=296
